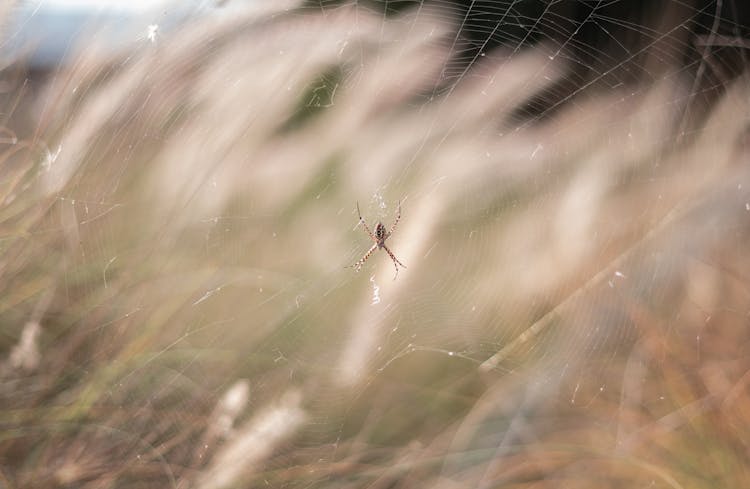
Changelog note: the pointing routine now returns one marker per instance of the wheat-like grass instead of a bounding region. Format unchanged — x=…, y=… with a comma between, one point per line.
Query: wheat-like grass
x=175, y=225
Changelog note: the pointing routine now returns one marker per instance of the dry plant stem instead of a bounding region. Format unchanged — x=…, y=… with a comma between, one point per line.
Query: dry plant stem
x=679, y=210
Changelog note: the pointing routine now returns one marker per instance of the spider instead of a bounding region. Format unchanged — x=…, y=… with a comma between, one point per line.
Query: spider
x=379, y=238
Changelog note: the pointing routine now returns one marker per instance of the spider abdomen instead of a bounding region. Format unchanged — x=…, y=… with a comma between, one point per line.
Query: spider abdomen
x=380, y=233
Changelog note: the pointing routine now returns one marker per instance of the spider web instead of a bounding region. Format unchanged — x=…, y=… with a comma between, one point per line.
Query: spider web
x=179, y=214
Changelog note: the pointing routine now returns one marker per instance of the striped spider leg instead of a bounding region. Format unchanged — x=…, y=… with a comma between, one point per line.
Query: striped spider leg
x=379, y=238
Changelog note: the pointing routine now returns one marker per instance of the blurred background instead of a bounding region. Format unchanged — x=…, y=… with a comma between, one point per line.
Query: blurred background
x=178, y=206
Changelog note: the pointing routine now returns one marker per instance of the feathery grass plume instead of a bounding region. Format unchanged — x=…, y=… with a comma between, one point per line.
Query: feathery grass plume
x=253, y=442
x=176, y=221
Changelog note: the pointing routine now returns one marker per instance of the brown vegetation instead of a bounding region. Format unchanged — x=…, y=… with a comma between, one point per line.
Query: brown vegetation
x=176, y=313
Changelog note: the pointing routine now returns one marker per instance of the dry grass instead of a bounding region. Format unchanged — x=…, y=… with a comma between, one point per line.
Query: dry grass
x=176, y=312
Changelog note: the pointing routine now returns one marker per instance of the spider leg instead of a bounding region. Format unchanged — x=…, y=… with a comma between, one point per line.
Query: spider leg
x=362, y=260
x=398, y=217
x=396, y=263
x=364, y=224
